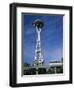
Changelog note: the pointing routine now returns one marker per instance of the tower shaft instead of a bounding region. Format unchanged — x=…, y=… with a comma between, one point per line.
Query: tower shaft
x=38, y=54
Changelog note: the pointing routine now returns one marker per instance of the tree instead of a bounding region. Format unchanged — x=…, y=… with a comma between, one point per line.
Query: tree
x=62, y=59
x=26, y=64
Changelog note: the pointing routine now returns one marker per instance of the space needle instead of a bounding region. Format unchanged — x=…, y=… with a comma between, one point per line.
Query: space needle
x=38, y=59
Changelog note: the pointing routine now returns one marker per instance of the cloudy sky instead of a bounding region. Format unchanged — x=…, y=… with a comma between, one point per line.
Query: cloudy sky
x=51, y=37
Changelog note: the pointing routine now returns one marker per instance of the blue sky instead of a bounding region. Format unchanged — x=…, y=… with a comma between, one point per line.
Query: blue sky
x=51, y=37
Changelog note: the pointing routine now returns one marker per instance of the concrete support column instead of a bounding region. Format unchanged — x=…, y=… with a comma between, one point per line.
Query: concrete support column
x=55, y=70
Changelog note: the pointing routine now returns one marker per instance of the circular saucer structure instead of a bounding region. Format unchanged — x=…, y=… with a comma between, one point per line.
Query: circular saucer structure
x=38, y=23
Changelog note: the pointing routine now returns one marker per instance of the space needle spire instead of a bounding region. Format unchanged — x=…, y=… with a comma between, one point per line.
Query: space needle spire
x=38, y=59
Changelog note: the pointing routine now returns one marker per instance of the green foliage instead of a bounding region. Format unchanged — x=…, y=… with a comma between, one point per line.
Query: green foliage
x=26, y=64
